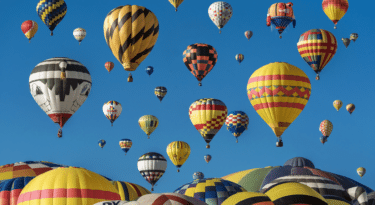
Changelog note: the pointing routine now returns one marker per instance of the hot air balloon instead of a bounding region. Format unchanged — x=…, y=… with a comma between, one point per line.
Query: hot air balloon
x=131, y=22
x=198, y=175
x=220, y=12
x=239, y=58
x=354, y=36
x=10, y=189
x=335, y=9
x=102, y=143
x=200, y=59
x=59, y=133
x=207, y=116
x=125, y=145
x=109, y=66
x=79, y=34
x=112, y=110
x=152, y=166
x=207, y=158
x=237, y=122
x=51, y=12
x=160, y=92
x=178, y=153
x=337, y=104
x=350, y=108
x=279, y=92
x=346, y=42
x=248, y=34
x=335, y=200
x=361, y=171
x=60, y=98
x=149, y=70
x=176, y=3
x=29, y=28
x=148, y=124
x=167, y=199
x=129, y=191
x=250, y=198
x=281, y=15
x=317, y=47
x=326, y=129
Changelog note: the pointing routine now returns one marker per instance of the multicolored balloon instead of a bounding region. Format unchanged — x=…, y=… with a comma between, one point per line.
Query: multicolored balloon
x=178, y=153
x=112, y=110
x=176, y=3
x=337, y=104
x=279, y=92
x=350, y=108
x=251, y=198
x=29, y=28
x=326, y=128
x=167, y=199
x=207, y=158
x=200, y=59
x=129, y=191
x=198, y=175
x=152, y=166
x=109, y=66
x=51, y=12
x=346, y=42
x=237, y=122
x=281, y=15
x=160, y=92
x=102, y=143
x=335, y=9
x=143, y=26
x=148, y=124
x=317, y=47
x=10, y=189
x=220, y=13
x=354, y=36
x=248, y=34
x=361, y=171
x=125, y=145
x=149, y=70
x=79, y=34
x=208, y=116
x=239, y=58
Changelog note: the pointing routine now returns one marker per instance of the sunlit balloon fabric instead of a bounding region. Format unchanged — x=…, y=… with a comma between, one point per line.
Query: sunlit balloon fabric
x=337, y=104
x=51, y=12
x=10, y=189
x=361, y=171
x=346, y=42
x=248, y=34
x=237, y=122
x=248, y=198
x=168, y=199
x=112, y=110
x=152, y=166
x=68, y=185
x=129, y=191
x=160, y=92
x=208, y=116
x=279, y=92
x=79, y=34
x=354, y=36
x=178, y=153
x=29, y=28
x=109, y=66
x=176, y=3
x=200, y=59
x=26, y=169
x=125, y=145
x=148, y=124
x=207, y=158
x=213, y=191
x=149, y=70
x=326, y=128
x=335, y=9
x=198, y=175
x=131, y=32
x=102, y=143
x=239, y=58
x=317, y=47
x=281, y=15
x=350, y=108
x=60, y=98
x=335, y=200
x=220, y=12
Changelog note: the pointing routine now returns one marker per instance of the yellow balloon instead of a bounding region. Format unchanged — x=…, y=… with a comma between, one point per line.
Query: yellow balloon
x=279, y=92
x=335, y=9
x=337, y=104
x=361, y=171
x=178, y=152
x=148, y=124
x=176, y=3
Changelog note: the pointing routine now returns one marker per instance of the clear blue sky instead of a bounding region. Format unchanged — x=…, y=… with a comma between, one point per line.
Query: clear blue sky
x=27, y=133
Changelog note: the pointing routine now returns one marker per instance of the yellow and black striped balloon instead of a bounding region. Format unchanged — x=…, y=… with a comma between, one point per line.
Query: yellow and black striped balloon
x=176, y=3
x=131, y=32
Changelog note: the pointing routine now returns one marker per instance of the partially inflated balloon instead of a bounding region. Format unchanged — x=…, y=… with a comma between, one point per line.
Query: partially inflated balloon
x=109, y=66
x=79, y=34
x=51, y=12
x=279, y=92
x=160, y=92
x=361, y=171
x=178, y=153
x=337, y=104
x=152, y=166
x=220, y=12
x=335, y=9
x=281, y=15
x=125, y=145
x=350, y=108
x=346, y=42
x=29, y=28
x=237, y=122
x=176, y=3
x=239, y=58
x=208, y=116
x=317, y=47
x=148, y=124
x=112, y=110
x=207, y=158
x=354, y=36
x=102, y=143
x=248, y=34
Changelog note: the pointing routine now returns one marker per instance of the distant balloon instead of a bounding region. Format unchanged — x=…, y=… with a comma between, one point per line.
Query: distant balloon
x=125, y=145
x=149, y=70
x=178, y=153
x=337, y=104
x=326, y=128
x=176, y=3
x=237, y=122
x=79, y=34
x=354, y=36
x=109, y=66
x=207, y=158
x=148, y=124
x=248, y=34
x=335, y=9
x=102, y=143
x=51, y=12
x=350, y=108
x=281, y=15
x=29, y=28
x=112, y=110
x=346, y=42
x=239, y=58
x=160, y=92
x=220, y=12
x=361, y=171
x=152, y=166
x=198, y=175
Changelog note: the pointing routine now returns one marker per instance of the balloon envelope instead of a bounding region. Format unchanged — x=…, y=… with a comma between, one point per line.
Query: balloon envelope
x=178, y=152
x=337, y=104
x=152, y=166
x=335, y=9
x=29, y=28
x=220, y=13
x=112, y=110
x=51, y=12
x=79, y=34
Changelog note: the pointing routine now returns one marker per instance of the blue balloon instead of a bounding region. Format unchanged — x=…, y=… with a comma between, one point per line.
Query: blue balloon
x=149, y=70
